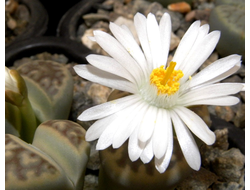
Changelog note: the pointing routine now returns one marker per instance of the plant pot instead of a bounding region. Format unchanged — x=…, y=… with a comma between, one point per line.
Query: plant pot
x=70, y=21
x=37, y=24
x=72, y=50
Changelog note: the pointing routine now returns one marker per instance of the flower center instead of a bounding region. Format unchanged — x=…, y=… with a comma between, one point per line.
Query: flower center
x=166, y=80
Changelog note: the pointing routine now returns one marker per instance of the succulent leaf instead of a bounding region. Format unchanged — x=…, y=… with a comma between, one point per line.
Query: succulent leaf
x=50, y=87
x=26, y=167
x=64, y=141
x=230, y=20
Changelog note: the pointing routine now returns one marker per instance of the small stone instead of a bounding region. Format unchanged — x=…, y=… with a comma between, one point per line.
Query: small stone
x=181, y=7
x=229, y=166
x=124, y=10
x=90, y=182
x=202, y=14
x=94, y=159
x=129, y=23
x=221, y=139
x=190, y=16
x=201, y=180
x=89, y=43
x=11, y=23
x=227, y=186
x=225, y=112
x=153, y=8
x=210, y=153
x=11, y=6
x=98, y=93
x=175, y=40
x=239, y=119
x=92, y=18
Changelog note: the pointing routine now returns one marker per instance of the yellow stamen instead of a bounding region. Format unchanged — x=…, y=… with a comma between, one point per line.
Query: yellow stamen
x=169, y=71
x=166, y=81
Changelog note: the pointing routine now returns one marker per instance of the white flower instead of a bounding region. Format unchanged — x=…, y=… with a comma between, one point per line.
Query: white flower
x=159, y=97
x=10, y=81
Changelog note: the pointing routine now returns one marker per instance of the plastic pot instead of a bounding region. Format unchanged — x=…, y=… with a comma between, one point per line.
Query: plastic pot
x=37, y=25
x=71, y=49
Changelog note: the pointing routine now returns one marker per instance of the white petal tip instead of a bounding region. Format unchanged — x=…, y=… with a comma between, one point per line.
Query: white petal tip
x=160, y=169
x=196, y=168
x=243, y=88
x=195, y=165
x=92, y=38
x=211, y=140
x=145, y=160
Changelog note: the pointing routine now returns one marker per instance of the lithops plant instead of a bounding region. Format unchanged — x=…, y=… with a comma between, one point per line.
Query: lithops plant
x=56, y=159
x=118, y=172
x=230, y=20
x=50, y=87
x=64, y=141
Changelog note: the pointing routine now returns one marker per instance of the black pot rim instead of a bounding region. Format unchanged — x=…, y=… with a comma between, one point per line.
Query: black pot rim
x=74, y=51
x=38, y=22
x=67, y=26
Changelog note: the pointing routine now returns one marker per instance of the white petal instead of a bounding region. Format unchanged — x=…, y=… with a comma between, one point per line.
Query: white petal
x=106, y=138
x=165, y=35
x=215, y=69
x=225, y=74
x=147, y=153
x=127, y=30
x=211, y=91
x=199, y=53
x=98, y=127
x=140, y=22
x=202, y=33
x=104, y=78
x=220, y=101
x=185, y=44
x=162, y=164
x=196, y=125
x=129, y=124
x=108, y=108
x=92, y=38
x=110, y=65
x=153, y=32
x=162, y=133
x=130, y=45
x=135, y=148
x=147, y=124
x=117, y=51
x=244, y=87
x=187, y=142
x=163, y=142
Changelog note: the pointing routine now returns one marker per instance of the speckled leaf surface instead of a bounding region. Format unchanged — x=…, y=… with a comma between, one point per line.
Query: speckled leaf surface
x=64, y=141
x=50, y=88
x=26, y=167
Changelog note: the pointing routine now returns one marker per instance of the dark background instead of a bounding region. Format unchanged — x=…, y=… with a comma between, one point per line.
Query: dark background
x=56, y=9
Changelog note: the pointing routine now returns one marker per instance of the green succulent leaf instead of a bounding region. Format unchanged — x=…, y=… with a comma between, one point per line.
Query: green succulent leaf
x=50, y=88
x=26, y=167
x=230, y=20
x=64, y=141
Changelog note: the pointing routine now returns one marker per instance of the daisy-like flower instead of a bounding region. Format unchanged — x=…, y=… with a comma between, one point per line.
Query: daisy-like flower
x=161, y=93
